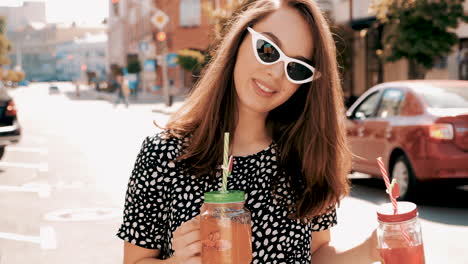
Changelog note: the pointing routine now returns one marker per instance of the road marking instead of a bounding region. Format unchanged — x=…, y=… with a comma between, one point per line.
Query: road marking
x=43, y=167
x=83, y=214
x=46, y=238
x=72, y=185
x=43, y=190
x=38, y=139
x=41, y=151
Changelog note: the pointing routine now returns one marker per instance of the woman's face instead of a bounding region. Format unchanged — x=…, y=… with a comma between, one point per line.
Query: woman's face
x=261, y=88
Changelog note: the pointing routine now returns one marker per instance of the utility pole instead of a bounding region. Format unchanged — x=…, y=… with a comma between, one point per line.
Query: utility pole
x=160, y=19
x=19, y=57
x=351, y=69
x=166, y=89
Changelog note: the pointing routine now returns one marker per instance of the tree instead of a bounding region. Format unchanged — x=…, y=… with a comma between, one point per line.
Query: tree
x=419, y=30
x=190, y=59
x=5, y=45
x=134, y=66
x=219, y=18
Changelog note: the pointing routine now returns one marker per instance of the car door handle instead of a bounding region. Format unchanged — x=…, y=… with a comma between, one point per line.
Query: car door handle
x=388, y=132
x=360, y=131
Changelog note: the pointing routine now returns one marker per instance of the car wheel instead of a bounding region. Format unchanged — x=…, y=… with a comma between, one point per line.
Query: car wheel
x=2, y=151
x=404, y=175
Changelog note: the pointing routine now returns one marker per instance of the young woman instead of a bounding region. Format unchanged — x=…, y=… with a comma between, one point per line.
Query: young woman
x=273, y=84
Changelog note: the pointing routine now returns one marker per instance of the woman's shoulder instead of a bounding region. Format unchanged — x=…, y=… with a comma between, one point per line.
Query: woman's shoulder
x=164, y=144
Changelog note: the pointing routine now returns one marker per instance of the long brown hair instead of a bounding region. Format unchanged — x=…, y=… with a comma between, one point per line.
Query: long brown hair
x=308, y=129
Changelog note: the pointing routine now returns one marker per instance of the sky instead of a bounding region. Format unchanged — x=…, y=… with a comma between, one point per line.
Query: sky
x=88, y=11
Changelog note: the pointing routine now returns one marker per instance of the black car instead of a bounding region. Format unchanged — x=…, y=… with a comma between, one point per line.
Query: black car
x=10, y=130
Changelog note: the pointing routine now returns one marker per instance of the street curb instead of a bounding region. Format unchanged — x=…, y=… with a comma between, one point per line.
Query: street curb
x=162, y=109
x=159, y=107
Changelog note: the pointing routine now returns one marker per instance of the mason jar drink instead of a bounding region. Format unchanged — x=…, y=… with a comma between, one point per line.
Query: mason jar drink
x=225, y=226
x=399, y=235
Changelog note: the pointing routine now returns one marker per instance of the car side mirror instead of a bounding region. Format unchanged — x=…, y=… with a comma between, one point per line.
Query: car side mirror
x=360, y=115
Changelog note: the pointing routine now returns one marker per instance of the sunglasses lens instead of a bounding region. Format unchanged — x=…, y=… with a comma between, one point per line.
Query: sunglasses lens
x=266, y=51
x=298, y=72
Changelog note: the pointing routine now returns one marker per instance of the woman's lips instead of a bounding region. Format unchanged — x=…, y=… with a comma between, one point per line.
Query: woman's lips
x=262, y=90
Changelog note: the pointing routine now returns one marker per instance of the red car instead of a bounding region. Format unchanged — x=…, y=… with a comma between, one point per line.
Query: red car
x=419, y=128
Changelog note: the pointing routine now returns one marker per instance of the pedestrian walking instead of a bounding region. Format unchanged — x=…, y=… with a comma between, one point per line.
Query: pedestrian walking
x=123, y=90
x=77, y=88
x=273, y=84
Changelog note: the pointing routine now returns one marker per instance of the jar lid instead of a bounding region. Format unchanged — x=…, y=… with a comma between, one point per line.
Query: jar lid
x=406, y=211
x=231, y=196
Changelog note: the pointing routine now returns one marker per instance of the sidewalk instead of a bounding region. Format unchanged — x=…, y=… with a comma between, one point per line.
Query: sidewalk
x=157, y=101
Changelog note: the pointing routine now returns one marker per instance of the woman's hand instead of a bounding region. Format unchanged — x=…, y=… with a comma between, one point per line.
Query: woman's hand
x=372, y=245
x=187, y=243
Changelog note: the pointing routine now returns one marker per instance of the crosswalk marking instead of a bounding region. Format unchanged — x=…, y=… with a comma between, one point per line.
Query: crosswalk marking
x=38, y=139
x=41, y=151
x=46, y=238
x=43, y=167
x=43, y=190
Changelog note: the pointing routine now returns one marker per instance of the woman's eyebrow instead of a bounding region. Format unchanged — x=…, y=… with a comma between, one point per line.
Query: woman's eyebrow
x=278, y=42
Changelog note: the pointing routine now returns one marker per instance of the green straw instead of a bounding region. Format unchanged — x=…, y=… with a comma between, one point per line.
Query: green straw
x=225, y=162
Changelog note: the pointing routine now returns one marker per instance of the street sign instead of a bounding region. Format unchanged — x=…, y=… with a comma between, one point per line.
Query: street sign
x=143, y=46
x=171, y=60
x=150, y=65
x=159, y=19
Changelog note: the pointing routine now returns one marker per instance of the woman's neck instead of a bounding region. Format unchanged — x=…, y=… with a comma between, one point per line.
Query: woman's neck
x=251, y=134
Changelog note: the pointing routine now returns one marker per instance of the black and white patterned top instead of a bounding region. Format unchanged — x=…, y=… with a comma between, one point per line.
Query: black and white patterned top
x=160, y=198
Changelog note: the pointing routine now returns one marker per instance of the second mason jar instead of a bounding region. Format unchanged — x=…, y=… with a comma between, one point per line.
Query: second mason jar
x=399, y=235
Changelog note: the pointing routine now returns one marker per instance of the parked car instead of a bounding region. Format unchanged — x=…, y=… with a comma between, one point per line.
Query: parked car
x=53, y=89
x=10, y=130
x=419, y=128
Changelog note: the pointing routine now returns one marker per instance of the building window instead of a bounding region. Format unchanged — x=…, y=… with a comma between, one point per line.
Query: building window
x=440, y=62
x=190, y=13
x=374, y=65
x=462, y=59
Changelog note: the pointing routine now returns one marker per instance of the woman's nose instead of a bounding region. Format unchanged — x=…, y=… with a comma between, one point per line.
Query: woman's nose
x=276, y=70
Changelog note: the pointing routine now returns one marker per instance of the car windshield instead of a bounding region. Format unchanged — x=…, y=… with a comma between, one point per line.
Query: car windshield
x=445, y=96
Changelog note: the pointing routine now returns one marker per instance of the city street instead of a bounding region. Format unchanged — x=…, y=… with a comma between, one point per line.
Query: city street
x=62, y=187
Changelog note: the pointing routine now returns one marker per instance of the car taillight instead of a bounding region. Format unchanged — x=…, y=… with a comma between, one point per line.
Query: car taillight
x=10, y=109
x=441, y=131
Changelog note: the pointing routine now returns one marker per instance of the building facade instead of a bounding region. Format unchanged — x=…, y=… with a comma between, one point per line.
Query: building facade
x=21, y=16
x=132, y=36
x=365, y=65
x=34, y=46
x=77, y=57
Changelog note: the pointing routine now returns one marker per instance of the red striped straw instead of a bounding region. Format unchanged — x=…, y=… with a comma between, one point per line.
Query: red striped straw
x=390, y=194
x=387, y=184
x=231, y=162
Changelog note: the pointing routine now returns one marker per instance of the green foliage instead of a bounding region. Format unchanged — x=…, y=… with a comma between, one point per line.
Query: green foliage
x=5, y=45
x=420, y=30
x=190, y=60
x=134, y=67
x=2, y=25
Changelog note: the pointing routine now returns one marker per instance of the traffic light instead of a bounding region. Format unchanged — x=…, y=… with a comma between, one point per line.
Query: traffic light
x=115, y=5
x=161, y=36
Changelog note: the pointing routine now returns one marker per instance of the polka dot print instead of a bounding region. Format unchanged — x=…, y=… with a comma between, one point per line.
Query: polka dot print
x=160, y=197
